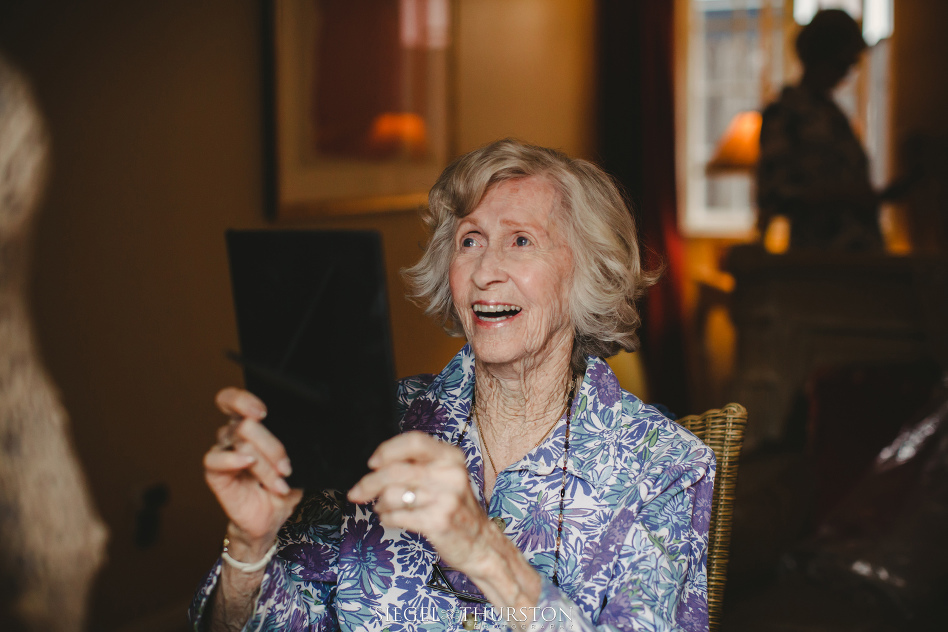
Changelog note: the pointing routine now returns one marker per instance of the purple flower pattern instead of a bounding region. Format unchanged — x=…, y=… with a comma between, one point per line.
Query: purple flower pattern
x=633, y=551
x=604, y=381
x=427, y=417
x=368, y=554
x=313, y=560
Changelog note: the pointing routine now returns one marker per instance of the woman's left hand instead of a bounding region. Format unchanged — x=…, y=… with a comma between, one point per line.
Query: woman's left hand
x=443, y=509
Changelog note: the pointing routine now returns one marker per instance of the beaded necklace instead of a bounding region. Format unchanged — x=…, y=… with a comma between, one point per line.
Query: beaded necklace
x=569, y=415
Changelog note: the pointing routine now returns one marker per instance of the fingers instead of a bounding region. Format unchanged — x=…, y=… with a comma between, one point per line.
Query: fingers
x=243, y=458
x=422, y=485
x=264, y=470
x=266, y=444
x=245, y=410
x=218, y=460
x=416, y=447
x=237, y=402
x=442, y=517
x=402, y=475
x=225, y=434
x=408, y=519
x=246, y=445
x=402, y=498
x=387, y=485
x=409, y=461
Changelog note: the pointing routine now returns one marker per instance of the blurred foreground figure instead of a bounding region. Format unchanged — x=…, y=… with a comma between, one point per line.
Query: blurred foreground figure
x=813, y=169
x=51, y=539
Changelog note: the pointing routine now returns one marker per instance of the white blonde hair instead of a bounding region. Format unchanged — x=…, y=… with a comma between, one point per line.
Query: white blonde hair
x=607, y=273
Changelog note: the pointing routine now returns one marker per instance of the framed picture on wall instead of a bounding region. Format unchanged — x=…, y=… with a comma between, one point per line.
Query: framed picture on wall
x=358, y=104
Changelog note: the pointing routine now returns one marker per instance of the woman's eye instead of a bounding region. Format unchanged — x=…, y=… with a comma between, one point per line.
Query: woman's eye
x=468, y=242
x=522, y=241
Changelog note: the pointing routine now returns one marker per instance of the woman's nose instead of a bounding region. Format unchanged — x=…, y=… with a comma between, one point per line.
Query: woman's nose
x=490, y=268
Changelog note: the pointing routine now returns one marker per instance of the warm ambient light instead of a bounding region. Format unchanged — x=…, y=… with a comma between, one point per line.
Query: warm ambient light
x=399, y=131
x=739, y=147
x=777, y=236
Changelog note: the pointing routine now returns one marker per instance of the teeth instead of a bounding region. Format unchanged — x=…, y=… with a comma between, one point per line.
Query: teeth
x=495, y=313
x=496, y=308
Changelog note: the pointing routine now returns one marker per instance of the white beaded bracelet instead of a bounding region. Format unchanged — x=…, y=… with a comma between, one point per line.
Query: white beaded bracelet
x=248, y=567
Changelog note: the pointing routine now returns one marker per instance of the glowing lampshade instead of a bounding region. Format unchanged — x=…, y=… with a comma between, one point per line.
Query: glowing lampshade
x=739, y=147
x=394, y=131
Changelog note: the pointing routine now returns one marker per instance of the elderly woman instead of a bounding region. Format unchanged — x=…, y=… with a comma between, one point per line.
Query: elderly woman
x=527, y=488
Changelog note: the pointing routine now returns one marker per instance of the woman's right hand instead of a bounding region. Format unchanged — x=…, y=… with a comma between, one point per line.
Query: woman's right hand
x=245, y=470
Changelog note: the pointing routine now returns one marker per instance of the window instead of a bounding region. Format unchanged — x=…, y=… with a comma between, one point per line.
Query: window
x=734, y=54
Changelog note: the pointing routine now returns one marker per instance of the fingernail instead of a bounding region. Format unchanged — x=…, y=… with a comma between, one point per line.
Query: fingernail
x=281, y=486
x=284, y=467
x=249, y=458
x=354, y=491
x=373, y=461
x=260, y=411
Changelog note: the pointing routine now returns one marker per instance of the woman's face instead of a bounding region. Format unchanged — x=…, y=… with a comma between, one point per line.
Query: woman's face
x=511, y=274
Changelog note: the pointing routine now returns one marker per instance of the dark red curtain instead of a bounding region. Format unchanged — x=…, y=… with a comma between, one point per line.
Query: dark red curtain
x=637, y=146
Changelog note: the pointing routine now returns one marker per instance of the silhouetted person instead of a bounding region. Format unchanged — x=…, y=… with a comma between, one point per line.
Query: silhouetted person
x=812, y=168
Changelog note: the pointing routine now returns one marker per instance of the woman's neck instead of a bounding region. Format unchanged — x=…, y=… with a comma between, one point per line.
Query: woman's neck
x=517, y=405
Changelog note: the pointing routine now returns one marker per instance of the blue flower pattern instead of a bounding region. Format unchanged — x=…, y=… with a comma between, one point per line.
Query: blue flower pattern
x=635, y=525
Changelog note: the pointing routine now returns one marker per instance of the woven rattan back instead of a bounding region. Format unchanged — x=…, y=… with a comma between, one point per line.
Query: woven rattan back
x=722, y=430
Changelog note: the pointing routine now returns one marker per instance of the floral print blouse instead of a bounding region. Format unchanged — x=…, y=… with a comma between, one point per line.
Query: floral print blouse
x=635, y=527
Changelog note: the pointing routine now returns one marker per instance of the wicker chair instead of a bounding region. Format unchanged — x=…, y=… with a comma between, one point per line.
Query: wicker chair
x=722, y=430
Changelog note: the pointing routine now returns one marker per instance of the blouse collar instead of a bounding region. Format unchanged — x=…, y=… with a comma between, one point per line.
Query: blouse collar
x=594, y=426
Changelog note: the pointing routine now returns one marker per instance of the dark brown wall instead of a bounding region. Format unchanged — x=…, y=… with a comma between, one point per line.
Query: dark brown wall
x=920, y=123
x=920, y=65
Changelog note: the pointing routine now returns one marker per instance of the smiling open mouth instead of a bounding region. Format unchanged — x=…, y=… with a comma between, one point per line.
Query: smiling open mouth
x=495, y=313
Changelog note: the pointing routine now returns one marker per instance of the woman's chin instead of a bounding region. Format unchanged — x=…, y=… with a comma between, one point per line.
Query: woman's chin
x=514, y=348
x=506, y=356
x=497, y=352
x=496, y=357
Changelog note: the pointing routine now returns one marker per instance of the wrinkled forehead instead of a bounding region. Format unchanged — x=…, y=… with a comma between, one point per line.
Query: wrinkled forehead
x=557, y=208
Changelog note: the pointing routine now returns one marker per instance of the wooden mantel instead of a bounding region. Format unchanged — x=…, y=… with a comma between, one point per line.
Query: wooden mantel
x=798, y=312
